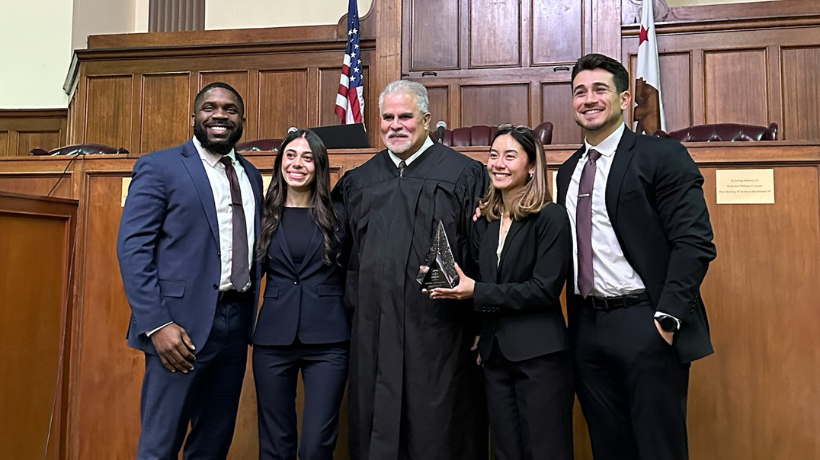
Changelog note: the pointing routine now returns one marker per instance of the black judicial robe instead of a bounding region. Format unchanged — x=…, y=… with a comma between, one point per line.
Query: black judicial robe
x=415, y=391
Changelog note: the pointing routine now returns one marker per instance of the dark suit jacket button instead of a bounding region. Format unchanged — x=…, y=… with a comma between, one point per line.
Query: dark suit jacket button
x=216, y=286
x=295, y=282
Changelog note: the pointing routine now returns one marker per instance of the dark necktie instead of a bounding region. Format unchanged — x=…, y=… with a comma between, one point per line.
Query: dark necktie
x=402, y=167
x=240, y=271
x=583, y=224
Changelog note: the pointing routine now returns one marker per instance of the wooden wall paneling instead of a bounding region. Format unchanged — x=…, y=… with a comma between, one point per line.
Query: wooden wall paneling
x=495, y=33
x=282, y=102
x=676, y=86
x=239, y=81
x=751, y=9
x=165, y=104
x=555, y=31
x=46, y=140
x=556, y=107
x=386, y=64
x=606, y=27
x=748, y=400
x=495, y=104
x=36, y=245
x=800, y=72
x=39, y=183
x=439, y=105
x=328, y=89
x=431, y=35
x=5, y=149
x=108, y=111
x=698, y=90
x=774, y=93
x=735, y=86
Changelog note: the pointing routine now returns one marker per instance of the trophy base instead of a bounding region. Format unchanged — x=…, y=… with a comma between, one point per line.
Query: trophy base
x=435, y=278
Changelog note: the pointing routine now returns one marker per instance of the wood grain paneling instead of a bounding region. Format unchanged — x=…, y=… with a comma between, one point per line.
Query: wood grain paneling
x=431, y=34
x=726, y=99
x=165, y=103
x=239, y=81
x=36, y=241
x=5, y=149
x=748, y=400
x=283, y=102
x=108, y=113
x=439, y=105
x=46, y=140
x=495, y=33
x=31, y=287
x=328, y=89
x=107, y=401
x=801, y=93
x=495, y=105
x=556, y=107
x=557, y=31
x=39, y=184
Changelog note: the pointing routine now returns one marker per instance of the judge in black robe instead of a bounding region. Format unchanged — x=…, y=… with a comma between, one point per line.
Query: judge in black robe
x=415, y=390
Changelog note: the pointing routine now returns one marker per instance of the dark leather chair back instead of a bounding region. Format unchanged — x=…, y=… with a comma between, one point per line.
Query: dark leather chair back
x=723, y=132
x=79, y=149
x=259, y=145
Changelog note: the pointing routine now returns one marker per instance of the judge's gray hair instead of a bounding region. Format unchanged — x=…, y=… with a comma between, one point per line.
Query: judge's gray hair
x=407, y=87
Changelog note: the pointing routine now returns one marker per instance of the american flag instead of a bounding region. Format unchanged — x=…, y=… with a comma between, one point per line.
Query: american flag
x=350, y=100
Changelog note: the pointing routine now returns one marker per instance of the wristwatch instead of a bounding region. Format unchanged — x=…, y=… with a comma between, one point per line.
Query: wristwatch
x=668, y=322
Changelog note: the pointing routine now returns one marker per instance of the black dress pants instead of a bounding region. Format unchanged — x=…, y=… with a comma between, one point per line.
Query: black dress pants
x=324, y=374
x=529, y=404
x=631, y=385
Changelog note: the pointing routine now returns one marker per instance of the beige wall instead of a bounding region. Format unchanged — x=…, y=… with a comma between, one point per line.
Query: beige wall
x=36, y=43
x=233, y=14
x=93, y=17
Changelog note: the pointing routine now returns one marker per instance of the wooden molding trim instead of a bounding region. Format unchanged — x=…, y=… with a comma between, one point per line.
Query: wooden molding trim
x=33, y=113
x=367, y=22
x=699, y=13
x=204, y=50
x=714, y=25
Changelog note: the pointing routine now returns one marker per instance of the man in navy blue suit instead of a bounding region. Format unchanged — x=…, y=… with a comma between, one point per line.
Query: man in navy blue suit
x=184, y=247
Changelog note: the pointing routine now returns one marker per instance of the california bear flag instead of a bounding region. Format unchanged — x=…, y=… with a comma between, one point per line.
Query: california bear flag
x=648, y=113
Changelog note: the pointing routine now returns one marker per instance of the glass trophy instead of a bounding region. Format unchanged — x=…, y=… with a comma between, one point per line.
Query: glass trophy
x=439, y=269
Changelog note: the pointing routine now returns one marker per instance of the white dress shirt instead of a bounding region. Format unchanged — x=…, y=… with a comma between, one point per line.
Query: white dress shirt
x=221, y=188
x=613, y=275
x=396, y=160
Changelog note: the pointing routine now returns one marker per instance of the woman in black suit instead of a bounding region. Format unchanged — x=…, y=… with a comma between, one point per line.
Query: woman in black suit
x=302, y=324
x=524, y=253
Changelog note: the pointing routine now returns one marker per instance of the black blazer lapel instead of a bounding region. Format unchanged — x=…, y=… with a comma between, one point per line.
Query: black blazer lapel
x=515, y=226
x=489, y=262
x=620, y=164
x=316, y=242
x=193, y=164
x=279, y=238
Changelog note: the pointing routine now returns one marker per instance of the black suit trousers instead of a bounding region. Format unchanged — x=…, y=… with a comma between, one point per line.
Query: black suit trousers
x=529, y=404
x=324, y=374
x=631, y=385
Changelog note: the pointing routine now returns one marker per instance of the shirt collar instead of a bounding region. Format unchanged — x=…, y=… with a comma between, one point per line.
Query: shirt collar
x=608, y=146
x=426, y=145
x=210, y=157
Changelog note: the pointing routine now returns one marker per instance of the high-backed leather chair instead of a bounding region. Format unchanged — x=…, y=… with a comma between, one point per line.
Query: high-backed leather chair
x=79, y=149
x=259, y=145
x=723, y=132
x=481, y=135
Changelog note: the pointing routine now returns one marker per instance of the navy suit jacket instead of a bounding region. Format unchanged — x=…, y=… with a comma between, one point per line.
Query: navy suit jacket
x=168, y=245
x=654, y=198
x=302, y=301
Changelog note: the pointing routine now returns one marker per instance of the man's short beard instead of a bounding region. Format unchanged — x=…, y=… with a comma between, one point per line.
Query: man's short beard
x=219, y=147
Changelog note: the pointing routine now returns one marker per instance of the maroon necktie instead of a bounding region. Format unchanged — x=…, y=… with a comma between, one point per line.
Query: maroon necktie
x=583, y=224
x=240, y=271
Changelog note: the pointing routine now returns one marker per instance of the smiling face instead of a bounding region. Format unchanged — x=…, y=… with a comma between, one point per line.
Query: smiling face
x=403, y=128
x=218, y=121
x=298, y=168
x=597, y=104
x=508, y=165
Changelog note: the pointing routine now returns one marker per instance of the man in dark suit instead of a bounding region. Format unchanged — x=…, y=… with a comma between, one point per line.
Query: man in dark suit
x=642, y=243
x=184, y=248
